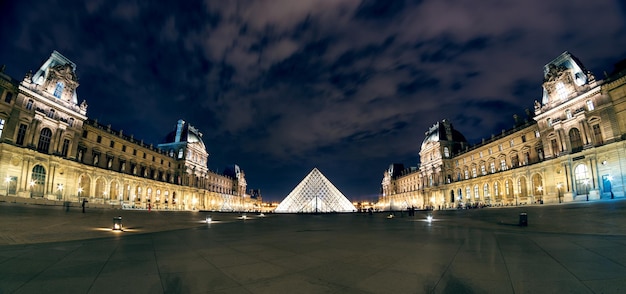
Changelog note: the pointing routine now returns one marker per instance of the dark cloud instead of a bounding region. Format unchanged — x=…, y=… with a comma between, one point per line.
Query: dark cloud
x=283, y=86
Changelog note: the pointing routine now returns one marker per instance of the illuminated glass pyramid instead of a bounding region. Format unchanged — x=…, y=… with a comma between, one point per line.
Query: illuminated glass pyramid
x=315, y=193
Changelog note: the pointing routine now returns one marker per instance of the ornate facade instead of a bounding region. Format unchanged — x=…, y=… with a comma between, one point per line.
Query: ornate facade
x=572, y=148
x=49, y=148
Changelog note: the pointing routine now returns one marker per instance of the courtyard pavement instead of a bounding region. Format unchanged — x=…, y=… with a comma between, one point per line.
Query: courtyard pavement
x=575, y=248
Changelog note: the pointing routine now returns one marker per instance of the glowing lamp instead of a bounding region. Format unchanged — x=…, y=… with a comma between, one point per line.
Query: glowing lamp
x=429, y=218
x=208, y=219
x=117, y=223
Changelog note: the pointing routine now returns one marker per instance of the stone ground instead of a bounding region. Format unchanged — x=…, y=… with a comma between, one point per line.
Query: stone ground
x=576, y=248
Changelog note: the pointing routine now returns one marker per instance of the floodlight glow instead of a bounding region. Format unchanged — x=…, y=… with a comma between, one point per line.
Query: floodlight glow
x=390, y=216
x=208, y=219
x=610, y=178
x=261, y=215
x=429, y=218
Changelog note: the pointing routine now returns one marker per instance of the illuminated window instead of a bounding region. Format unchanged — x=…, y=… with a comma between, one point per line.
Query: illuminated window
x=474, y=172
x=58, y=90
x=476, y=194
x=486, y=191
x=561, y=91
x=446, y=152
x=502, y=164
x=180, y=153
x=521, y=187
x=590, y=106
x=568, y=114
x=495, y=189
x=466, y=172
x=483, y=171
x=38, y=176
x=537, y=134
x=492, y=166
x=1, y=126
x=582, y=179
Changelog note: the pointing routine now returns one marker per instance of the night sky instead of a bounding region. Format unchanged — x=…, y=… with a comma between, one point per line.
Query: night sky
x=282, y=86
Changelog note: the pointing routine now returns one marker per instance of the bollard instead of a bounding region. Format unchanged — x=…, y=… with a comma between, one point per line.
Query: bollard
x=117, y=223
x=523, y=219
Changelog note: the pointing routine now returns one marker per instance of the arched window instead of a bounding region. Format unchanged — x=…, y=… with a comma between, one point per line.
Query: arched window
x=29, y=104
x=468, y=193
x=476, y=195
x=537, y=185
x=508, y=186
x=486, y=193
x=575, y=140
x=44, y=140
x=581, y=176
x=521, y=187
x=496, y=191
x=38, y=180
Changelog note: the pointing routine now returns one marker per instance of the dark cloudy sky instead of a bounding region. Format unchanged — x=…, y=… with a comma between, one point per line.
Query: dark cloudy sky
x=282, y=86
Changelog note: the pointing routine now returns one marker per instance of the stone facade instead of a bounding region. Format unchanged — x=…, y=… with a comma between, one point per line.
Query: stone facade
x=49, y=148
x=571, y=148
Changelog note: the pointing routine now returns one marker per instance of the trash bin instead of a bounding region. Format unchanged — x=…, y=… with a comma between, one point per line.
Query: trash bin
x=523, y=219
x=117, y=223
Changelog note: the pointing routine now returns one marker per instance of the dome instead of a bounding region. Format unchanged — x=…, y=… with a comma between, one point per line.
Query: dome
x=443, y=131
x=184, y=132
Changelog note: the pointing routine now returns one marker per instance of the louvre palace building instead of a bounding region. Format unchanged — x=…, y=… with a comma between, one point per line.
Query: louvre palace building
x=50, y=149
x=571, y=148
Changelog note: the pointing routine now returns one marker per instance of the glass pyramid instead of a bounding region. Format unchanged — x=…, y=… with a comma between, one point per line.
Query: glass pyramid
x=315, y=193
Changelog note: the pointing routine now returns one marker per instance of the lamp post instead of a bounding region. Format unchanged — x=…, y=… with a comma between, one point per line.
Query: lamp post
x=7, y=180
